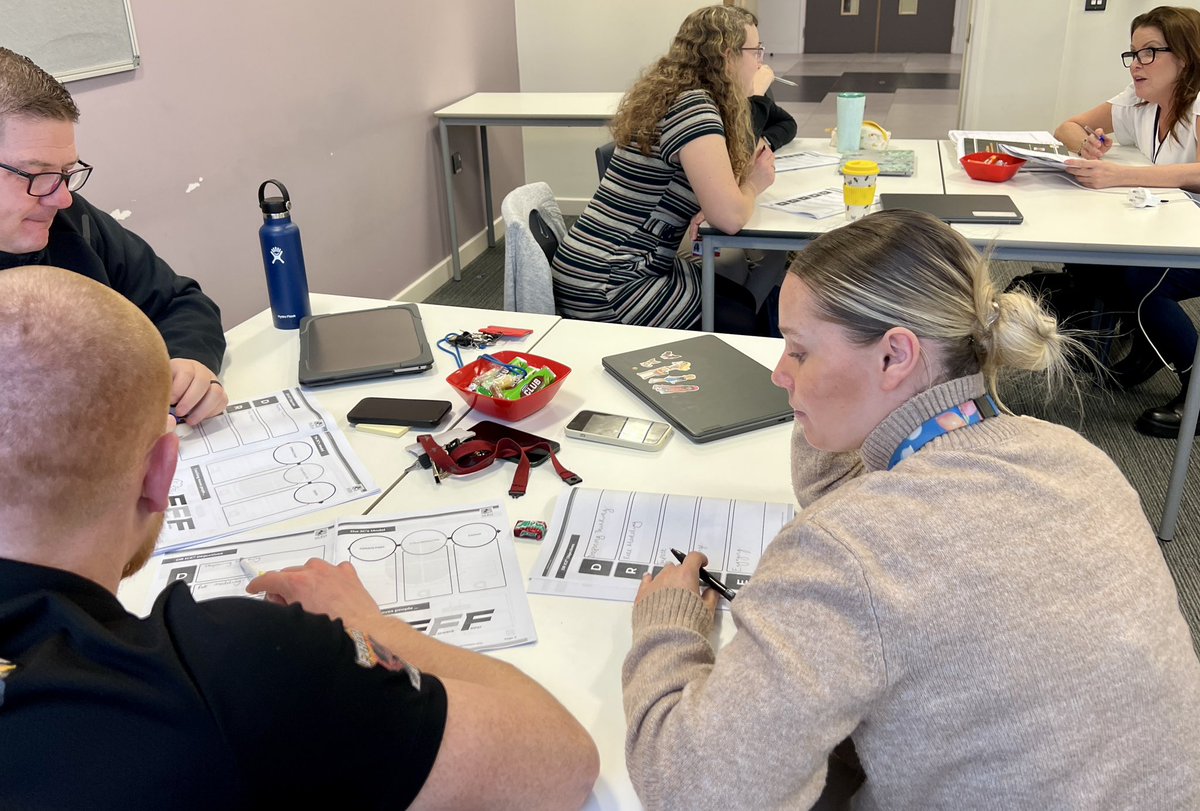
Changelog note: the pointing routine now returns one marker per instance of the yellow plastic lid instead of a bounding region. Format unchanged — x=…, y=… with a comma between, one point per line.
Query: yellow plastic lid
x=860, y=168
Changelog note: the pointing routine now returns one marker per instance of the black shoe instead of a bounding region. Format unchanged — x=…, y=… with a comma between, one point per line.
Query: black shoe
x=1163, y=421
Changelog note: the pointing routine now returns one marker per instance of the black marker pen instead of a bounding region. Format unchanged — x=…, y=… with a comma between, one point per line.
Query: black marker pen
x=708, y=579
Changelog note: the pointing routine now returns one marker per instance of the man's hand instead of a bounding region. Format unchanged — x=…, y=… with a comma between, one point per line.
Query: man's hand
x=684, y=576
x=320, y=588
x=196, y=393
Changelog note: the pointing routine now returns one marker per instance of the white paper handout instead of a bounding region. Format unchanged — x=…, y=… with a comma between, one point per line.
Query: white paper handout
x=264, y=460
x=816, y=204
x=451, y=574
x=1043, y=151
x=603, y=541
x=804, y=160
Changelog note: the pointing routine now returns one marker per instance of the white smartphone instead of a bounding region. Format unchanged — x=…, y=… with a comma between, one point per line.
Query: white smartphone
x=628, y=432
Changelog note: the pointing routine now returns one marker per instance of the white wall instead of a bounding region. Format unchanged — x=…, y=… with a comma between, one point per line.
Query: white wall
x=1033, y=63
x=585, y=45
x=334, y=100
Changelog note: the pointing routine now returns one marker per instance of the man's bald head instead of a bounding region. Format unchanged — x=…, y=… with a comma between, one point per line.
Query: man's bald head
x=84, y=388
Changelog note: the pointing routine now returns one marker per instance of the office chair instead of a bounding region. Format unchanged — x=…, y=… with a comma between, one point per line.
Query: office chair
x=534, y=228
x=604, y=155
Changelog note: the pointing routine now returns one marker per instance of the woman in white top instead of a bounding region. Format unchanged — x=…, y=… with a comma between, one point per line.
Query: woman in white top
x=1158, y=112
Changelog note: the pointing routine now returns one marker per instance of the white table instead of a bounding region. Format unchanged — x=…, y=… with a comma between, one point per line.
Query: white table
x=512, y=110
x=774, y=230
x=260, y=359
x=581, y=642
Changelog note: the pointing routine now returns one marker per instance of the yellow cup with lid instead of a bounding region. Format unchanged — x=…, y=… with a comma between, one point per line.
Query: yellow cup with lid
x=858, y=187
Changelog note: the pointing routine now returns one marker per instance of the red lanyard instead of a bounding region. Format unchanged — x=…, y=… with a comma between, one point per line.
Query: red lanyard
x=476, y=454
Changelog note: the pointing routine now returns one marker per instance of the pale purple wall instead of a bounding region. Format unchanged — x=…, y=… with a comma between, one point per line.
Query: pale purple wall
x=334, y=99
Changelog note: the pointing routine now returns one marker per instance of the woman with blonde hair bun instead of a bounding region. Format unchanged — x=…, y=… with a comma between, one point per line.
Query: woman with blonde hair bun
x=973, y=599
x=685, y=148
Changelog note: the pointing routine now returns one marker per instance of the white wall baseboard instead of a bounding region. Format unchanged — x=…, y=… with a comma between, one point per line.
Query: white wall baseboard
x=443, y=271
x=471, y=250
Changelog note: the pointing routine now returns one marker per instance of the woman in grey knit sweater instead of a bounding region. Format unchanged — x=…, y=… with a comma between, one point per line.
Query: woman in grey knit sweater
x=974, y=599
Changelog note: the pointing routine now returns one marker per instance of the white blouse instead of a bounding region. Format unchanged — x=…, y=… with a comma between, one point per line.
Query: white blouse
x=1134, y=123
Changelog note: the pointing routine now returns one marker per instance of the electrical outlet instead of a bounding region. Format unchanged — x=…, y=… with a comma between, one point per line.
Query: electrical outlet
x=1094, y=5
x=456, y=162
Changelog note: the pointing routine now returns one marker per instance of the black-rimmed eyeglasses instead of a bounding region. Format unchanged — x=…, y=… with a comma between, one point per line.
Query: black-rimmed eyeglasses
x=44, y=184
x=1144, y=56
x=758, y=52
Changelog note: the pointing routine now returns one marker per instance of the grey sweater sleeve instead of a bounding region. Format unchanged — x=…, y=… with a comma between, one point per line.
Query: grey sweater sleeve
x=763, y=715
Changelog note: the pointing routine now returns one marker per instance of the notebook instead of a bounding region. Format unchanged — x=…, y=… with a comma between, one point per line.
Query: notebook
x=892, y=163
x=703, y=386
x=363, y=344
x=965, y=208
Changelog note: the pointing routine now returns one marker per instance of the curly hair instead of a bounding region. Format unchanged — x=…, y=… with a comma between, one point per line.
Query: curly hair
x=698, y=60
x=1181, y=29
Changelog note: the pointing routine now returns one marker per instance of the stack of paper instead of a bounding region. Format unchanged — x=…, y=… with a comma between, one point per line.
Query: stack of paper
x=452, y=575
x=264, y=460
x=804, y=160
x=1043, y=151
x=817, y=204
x=603, y=541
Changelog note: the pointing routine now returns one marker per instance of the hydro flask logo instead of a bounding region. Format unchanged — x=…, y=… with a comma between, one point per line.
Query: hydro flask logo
x=277, y=256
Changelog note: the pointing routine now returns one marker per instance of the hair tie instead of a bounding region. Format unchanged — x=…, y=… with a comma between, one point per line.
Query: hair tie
x=995, y=315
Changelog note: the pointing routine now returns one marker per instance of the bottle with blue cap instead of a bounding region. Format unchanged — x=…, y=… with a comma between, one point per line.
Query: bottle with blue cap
x=283, y=258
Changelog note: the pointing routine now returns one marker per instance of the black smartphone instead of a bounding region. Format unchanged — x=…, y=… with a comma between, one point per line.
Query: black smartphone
x=395, y=411
x=494, y=431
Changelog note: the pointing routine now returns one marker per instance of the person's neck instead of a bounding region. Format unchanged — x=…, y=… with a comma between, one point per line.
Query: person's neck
x=81, y=551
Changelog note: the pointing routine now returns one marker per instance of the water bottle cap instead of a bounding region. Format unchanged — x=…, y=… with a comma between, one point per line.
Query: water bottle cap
x=274, y=205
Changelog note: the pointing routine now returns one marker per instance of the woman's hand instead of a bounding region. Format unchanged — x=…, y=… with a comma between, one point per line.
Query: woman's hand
x=762, y=80
x=685, y=576
x=1096, y=174
x=1095, y=144
x=762, y=172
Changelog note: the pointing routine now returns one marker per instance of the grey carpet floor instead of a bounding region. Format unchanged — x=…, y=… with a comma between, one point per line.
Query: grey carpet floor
x=1105, y=418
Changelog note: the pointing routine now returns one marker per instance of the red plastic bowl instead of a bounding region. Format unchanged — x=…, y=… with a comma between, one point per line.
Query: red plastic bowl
x=507, y=410
x=1001, y=168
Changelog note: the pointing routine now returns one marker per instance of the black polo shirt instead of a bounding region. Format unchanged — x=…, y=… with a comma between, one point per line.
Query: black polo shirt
x=228, y=703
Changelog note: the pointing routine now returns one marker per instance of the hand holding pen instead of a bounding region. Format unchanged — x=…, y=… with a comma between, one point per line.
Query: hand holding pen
x=685, y=576
x=1094, y=144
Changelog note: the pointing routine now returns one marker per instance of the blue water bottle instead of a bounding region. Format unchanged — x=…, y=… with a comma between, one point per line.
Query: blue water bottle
x=283, y=258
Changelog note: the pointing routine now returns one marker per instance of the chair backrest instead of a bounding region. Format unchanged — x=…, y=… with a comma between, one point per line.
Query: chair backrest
x=534, y=227
x=545, y=237
x=604, y=155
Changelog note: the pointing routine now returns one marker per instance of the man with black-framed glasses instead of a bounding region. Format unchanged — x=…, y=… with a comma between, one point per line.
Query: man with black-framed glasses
x=44, y=221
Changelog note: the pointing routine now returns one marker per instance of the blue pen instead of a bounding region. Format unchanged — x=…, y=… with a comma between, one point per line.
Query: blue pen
x=1091, y=131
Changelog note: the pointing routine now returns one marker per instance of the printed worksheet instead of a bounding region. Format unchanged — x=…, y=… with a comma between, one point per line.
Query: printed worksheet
x=815, y=204
x=806, y=159
x=262, y=461
x=451, y=574
x=603, y=541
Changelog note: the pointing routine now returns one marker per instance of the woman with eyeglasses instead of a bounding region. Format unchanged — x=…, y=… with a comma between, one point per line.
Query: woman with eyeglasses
x=1159, y=114
x=684, y=147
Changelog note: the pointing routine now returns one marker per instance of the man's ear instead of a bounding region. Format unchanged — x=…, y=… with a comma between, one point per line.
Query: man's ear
x=900, y=357
x=160, y=472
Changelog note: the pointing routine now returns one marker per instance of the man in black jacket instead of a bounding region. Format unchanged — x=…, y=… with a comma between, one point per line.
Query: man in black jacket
x=43, y=221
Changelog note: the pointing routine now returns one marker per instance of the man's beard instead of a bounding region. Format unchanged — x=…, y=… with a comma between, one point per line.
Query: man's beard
x=145, y=550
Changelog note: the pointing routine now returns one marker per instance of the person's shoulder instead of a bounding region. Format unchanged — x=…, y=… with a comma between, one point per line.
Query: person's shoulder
x=692, y=99
x=1126, y=98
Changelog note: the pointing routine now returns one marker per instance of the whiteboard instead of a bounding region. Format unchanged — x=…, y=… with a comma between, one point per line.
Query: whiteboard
x=71, y=39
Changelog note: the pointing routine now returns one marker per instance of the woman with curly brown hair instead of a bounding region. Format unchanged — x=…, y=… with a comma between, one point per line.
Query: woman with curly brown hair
x=684, y=148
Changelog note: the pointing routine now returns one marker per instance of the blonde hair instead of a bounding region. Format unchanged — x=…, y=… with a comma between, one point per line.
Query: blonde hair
x=697, y=60
x=85, y=395
x=909, y=269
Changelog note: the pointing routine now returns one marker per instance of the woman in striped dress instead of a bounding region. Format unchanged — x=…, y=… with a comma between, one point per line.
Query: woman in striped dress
x=684, y=150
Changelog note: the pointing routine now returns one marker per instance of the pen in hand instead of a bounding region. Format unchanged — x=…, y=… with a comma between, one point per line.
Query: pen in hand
x=1091, y=131
x=708, y=579
x=787, y=82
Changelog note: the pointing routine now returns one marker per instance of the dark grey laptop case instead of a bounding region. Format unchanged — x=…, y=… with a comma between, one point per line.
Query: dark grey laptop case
x=363, y=344
x=968, y=208
x=703, y=386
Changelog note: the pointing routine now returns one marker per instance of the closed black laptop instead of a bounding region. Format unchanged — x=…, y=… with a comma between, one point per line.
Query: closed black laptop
x=363, y=344
x=966, y=208
x=703, y=386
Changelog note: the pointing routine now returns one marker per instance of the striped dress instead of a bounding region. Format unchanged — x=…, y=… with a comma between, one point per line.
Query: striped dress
x=619, y=261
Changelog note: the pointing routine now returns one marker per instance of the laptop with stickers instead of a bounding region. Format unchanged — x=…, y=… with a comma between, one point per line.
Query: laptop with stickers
x=703, y=386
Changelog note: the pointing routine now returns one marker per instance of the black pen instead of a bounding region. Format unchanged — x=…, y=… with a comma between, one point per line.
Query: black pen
x=708, y=579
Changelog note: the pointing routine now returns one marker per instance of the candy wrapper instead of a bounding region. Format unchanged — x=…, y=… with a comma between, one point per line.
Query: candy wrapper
x=513, y=381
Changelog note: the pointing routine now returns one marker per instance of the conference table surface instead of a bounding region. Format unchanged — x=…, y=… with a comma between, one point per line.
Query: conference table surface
x=581, y=642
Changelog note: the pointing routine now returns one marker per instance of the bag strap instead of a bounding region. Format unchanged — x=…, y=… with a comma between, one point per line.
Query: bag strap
x=476, y=454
